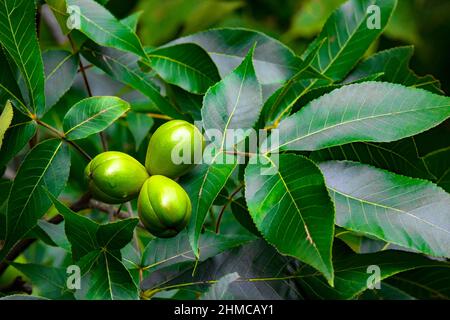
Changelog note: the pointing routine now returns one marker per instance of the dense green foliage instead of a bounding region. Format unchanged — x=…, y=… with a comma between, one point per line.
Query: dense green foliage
x=340, y=164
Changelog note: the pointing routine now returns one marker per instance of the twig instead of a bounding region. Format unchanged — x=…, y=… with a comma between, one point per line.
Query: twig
x=222, y=211
x=63, y=137
x=86, y=67
x=88, y=88
x=106, y=208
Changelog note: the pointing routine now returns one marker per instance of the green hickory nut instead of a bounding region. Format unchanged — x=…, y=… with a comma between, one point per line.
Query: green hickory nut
x=164, y=207
x=115, y=177
x=173, y=149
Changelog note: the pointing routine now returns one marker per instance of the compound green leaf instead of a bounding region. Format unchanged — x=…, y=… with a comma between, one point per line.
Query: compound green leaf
x=86, y=236
x=105, y=278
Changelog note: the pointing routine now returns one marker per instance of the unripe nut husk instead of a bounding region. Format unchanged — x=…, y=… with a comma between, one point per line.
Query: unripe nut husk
x=163, y=206
x=173, y=149
x=115, y=177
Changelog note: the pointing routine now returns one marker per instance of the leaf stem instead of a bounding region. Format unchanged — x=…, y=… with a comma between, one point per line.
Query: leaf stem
x=63, y=137
x=159, y=116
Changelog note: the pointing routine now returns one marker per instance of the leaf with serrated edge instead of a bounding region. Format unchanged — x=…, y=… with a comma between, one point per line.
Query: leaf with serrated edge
x=186, y=65
x=46, y=166
x=203, y=185
x=394, y=63
x=399, y=156
x=264, y=274
x=61, y=67
x=123, y=67
x=233, y=103
x=348, y=36
x=292, y=209
x=347, y=39
x=92, y=115
x=369, y=111
x=100, y=25
x=409, y=212
x=354, y=271
x=18, y=37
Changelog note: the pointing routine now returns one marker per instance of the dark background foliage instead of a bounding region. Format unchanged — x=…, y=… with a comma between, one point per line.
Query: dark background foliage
x=424, y=23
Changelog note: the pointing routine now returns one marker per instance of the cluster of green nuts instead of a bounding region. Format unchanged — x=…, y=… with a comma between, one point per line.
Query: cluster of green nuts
x=164, y=206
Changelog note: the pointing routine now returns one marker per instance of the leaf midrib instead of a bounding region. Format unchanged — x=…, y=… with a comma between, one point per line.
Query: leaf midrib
x=33, y=189
x=20, y=57
x=92, y=117
x=309, y=236
x=353, y=121
x=112, y=34
x=182, y=64
x=386, y=207
x=59, y=65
